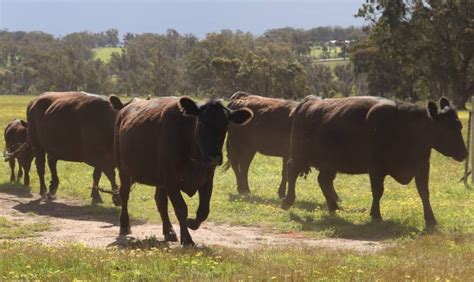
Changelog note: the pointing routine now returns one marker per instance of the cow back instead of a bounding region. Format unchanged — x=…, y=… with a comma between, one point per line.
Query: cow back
x=269, y=130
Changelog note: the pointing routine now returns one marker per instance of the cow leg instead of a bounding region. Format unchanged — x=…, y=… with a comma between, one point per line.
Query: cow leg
x=95, y=186
x=40, y=168
x=205, y=193
x=12, y=169
x=26, y=164
x=161, y=200
x=181, y=211
x=110, y=173
x=284, y=174
x=20, y=171
x=421, y=180
x=376, y=184
x=124, y=192
x=244, y=165
x=326, y=183
x=294, y=169
x=53, y=185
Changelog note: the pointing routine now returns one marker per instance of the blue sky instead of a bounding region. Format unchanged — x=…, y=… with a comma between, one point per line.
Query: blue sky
x=186, y=16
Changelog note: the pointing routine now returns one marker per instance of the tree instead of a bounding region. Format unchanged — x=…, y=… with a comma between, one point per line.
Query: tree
x=432, y=41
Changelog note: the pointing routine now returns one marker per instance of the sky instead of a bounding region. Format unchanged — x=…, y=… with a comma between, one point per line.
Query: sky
x=198, y=17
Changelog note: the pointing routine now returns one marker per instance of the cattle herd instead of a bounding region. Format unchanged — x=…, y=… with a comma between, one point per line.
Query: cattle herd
x=175, y=144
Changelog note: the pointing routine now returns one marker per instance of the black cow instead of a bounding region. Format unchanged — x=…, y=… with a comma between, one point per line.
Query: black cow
x=371, y=135
x=175, y=145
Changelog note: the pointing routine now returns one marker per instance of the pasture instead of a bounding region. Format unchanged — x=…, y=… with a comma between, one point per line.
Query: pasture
x=105, y=53
x=411, y=253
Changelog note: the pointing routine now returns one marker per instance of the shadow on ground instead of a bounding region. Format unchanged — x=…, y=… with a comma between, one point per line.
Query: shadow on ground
x=341, y=228
x=16, y=189
x=76, y=212
x=255, y=199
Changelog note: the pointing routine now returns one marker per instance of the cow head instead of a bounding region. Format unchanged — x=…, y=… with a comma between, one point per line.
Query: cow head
x=212, y=121
x=447, y=130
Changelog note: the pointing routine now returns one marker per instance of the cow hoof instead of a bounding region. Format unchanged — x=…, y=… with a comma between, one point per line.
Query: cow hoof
x=244, y=192
x=51, y=197
x=125, y=231
x=430, y=223
x=97, y=200
x=376, y=219
x=286, y=204
x=44, y=196
x=189, y=243
x=193, y=223
x=171, y=237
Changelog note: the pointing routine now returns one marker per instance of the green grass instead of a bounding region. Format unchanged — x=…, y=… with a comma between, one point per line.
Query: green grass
x=317, y=51
x=13, y=230
x=431, y=257
x=105, y=53
x=333, y=64
x=401, y=208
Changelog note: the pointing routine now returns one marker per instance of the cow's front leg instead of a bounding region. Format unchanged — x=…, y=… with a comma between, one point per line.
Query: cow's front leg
x=181, y=211
x=376, y=184
x=161, y=200
x=421, y=180
x=205, y=193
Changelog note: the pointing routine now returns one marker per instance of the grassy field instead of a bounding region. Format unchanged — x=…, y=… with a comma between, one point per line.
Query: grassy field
x=317, y=51
x=445, y=253
x=104, y=54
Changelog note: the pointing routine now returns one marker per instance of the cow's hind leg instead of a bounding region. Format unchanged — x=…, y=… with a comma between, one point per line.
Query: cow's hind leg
x=326, y=183
x=284, y=179
x=294, y=169
x=181, y=210
x=376, y=184
x=244, y=165
x=20, y=171
x=40, y=169
x=125, y=183
x=421, y=180
x=161, y=200
x=53, y=185
x=110, y=173
x=11, y=162
x=95, y=186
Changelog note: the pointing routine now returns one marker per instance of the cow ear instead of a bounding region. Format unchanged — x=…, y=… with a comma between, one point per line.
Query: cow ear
x=23, y=123
x=432, y=109
x=116, y=102
x=188, y=107
x=241, y=116
x=443, y=102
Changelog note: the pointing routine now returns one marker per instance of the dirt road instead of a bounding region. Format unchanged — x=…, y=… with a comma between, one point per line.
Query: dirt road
x=79, y=222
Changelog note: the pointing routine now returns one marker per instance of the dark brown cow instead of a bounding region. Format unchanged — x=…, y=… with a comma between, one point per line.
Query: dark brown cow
x=173, y=144
x=76, y=127
x=268, y=133
x=372, y=135
x=16, y=134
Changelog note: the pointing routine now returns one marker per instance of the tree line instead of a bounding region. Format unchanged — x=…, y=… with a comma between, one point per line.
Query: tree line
x=410, y=49
x=168, y=64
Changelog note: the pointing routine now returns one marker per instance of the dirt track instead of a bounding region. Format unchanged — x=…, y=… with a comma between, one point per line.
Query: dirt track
x=75, y=221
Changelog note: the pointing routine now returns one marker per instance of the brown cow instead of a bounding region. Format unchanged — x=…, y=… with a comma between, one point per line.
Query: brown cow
x=16, y=134
x=372, y=135
x=175, y=145
x=268, y=133
x=76, y=127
